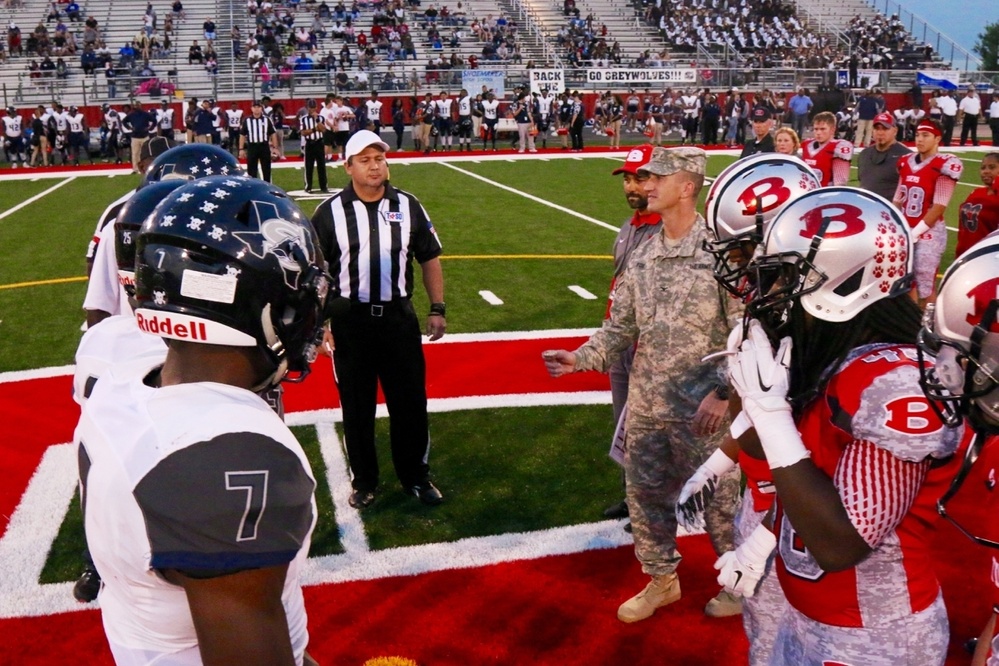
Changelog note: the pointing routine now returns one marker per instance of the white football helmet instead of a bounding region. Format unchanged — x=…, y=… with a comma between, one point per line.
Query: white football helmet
x=742, y=201
x=837, y=250
x=962, y=332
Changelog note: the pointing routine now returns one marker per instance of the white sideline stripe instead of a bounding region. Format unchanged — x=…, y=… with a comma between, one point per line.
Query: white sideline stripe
x=543, y=202
x=31, y=200
x=32, y=529
x=466, y=553
x=491, y=298
x=352, y=536
x=582, y=293
x=499, y=336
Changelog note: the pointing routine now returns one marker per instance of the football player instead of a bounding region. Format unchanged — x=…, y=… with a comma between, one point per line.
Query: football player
x=979, y=214
x=926, y=182
x=13, y=139
x=78, y=135
x=854, y=448
x=198, y=501
x=117, y=339
x=960, y=333
x=829, y=157
x=740, y=205
x=158, y=162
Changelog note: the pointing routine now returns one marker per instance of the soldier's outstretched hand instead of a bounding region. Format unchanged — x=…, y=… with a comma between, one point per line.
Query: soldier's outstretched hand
x=559, y=362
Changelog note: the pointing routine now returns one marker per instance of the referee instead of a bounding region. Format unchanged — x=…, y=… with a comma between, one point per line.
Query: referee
x=370, y=233
x=256, y=139
x=312, y=128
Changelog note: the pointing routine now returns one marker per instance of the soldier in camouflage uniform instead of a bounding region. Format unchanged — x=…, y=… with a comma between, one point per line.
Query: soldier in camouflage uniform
x=669, y=300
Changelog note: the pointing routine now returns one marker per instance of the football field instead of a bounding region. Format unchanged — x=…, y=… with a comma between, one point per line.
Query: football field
x=520, y=458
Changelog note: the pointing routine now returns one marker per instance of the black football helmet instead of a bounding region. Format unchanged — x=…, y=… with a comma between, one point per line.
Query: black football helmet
x=127, y=224
x=191, y=161
x=11, y=111
x=231, y=260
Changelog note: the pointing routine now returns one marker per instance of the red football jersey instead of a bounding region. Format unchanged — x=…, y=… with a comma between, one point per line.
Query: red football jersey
x=917, y=182
x=979, y=218
x=872, y=402
x=822, y=156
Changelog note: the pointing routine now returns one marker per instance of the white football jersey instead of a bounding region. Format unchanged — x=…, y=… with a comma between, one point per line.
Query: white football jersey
x=103, y=289
x=12, y=126
x=374, y=109
x=199, y=477
x=61, y=120
x=114, y=341
x=465, y=106
x=164, y=118
x=489, y=109
x=75, y=123
x=234, y=118
x=113, y=120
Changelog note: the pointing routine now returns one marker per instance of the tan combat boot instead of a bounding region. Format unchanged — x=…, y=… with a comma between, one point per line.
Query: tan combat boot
x=724, y=604
x=661, y=591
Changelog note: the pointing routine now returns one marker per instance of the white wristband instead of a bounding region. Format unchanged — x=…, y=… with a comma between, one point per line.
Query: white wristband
x=718, y=463
x=920, y=229
x=760, y=544
x=779, y=436
x=740, y=425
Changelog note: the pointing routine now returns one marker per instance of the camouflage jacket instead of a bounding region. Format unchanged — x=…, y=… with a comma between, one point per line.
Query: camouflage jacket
x=668, y=302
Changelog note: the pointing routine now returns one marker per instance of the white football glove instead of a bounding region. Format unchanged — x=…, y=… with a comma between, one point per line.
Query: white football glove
x=918, y=230
x=699, y=490
x=740, y=570
x=761, y=378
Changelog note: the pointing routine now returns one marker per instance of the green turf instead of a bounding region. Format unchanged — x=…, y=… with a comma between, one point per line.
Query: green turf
x=501, y=470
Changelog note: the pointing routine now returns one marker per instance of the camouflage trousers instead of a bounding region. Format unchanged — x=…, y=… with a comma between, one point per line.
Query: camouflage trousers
x=916, y=640
x=660, y=457
x=762, y=612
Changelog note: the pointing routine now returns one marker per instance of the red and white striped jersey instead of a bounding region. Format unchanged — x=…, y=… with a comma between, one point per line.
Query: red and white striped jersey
x=874, y=433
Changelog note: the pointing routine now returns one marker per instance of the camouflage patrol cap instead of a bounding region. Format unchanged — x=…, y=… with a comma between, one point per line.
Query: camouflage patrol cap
x=667, y=161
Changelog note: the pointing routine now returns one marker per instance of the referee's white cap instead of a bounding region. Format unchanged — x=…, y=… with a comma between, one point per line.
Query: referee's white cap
x=361, y=140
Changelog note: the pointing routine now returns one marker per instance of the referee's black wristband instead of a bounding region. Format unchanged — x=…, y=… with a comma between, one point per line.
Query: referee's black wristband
x=438, y=309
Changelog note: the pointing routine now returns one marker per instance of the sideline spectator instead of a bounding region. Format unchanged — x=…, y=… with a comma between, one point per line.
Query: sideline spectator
x=799, y=106
x=761, y=141
x=140, y=123
x=970, y=109
x=877, y=164
x=948, y=116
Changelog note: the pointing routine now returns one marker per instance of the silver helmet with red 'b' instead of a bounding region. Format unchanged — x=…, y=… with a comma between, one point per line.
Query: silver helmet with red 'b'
x=837, y=250
x=961, y=330
x=740, y=204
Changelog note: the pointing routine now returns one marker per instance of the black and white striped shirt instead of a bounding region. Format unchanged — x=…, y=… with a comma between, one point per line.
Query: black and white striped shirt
x=370, y=246
x=305, y=126
x=257, y=130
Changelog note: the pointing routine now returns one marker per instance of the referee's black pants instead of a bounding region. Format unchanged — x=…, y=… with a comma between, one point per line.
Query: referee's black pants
x=382, y=343
x=315, y=155
x=258, y=155
x=576, y=134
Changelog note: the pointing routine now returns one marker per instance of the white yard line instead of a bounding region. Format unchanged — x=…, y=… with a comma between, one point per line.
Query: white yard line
x=543, y=202
x=582, y=293
x=11, y=211
x=490, y=298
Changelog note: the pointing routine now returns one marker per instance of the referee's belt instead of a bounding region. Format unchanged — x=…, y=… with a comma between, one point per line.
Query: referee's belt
x=378, y=308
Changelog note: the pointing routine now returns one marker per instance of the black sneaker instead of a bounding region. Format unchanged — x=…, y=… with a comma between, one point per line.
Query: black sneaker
x=87, y=586
x=619, y=510
x=361, y=499
x=427, y=492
